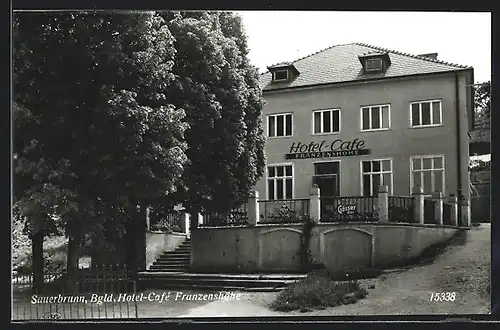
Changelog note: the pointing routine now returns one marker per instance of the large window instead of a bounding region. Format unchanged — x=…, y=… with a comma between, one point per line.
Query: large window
x=375, y=117
x=326, y=121
x=428, y=172
x=279, y=125
x=376, y=173
x=279, y=182
x=373, y=64
x=426, y=113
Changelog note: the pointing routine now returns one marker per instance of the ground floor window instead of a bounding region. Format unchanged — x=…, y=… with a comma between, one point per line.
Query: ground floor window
x=279, y=182
x=374, y=174
x=428, y=172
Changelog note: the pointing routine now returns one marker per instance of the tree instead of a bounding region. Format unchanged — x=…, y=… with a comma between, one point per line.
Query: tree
x=219, y=91
x=482, y=103
x=95, y=87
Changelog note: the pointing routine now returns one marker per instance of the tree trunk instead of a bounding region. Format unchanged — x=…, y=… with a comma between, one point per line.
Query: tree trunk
x=37, y=261
x=194, y=219
x=72, y=263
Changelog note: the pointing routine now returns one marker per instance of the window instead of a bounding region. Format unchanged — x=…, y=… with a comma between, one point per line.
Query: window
x=376, y=173
x=373, y=64
x=376, y=117
x=326, y=121
x=426, y=113
x=280, y=75
x=279, y=125
x=428, y=172
x=279, y=182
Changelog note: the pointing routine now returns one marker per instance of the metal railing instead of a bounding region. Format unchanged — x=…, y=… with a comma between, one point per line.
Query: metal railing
x=348, y=209
x=429, y=211
x=401, y=209
x=283, y=211
x=96, y=293
x=170, y=222
x=236, y=217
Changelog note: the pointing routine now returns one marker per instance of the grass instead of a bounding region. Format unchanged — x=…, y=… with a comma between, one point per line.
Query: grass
x=322, y=289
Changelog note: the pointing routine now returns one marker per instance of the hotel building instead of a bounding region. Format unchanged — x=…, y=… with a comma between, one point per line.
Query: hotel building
x=353, y=117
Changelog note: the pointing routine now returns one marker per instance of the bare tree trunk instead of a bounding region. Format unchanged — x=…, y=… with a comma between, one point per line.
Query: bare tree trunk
x=37, y=261
x=72, y=263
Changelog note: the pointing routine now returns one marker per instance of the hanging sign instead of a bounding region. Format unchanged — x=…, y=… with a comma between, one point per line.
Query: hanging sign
x=323, y=149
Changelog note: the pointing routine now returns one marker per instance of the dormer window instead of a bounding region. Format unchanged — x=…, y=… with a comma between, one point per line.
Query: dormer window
x=280, y=75
x=283, y=72
x=373, y=64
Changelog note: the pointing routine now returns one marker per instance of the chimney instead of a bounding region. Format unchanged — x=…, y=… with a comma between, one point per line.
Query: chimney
x=433, y=56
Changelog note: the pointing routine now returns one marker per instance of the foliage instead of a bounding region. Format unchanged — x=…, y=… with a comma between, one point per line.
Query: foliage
x=307, y=261
x=317, y=291
x=482, y=104
x=165, y=226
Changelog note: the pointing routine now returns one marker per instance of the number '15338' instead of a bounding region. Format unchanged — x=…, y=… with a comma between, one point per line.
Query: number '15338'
x=443, y=296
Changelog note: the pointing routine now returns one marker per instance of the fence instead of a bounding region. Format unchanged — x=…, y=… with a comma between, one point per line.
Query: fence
x=348, y=209
x=167, y=221
x=236, y=217
x=401, y=209
x=283, y=211
x=429, y=211
x=99, y=293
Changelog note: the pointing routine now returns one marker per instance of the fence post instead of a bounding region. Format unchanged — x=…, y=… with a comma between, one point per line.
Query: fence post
x=315, y=204
x=383, y=204
x=184, y=223
x=465, y=208
x=418, y=200
x=454, y=210
x=438, y=210
x=253, y=208
x=148, y=220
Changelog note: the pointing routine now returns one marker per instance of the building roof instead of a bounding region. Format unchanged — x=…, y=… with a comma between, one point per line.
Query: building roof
x=341, y=64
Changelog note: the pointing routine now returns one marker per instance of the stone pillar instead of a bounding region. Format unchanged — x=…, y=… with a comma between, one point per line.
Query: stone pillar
x=200, y=219
x=438, y=211
x=383, y=204
x=418, y=200
x=148, y=221
x=465, y=220
x=315, y=204
x=253, y=208
x=454, y=210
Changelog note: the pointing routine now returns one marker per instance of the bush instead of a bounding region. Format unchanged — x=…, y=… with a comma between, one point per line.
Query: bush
x=165, y=226
x=317, y=291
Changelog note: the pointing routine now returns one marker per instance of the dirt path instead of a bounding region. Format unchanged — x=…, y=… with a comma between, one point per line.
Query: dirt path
x=463, y=269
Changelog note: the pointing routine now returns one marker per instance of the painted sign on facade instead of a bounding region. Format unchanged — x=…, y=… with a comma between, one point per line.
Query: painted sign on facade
x=324, y=149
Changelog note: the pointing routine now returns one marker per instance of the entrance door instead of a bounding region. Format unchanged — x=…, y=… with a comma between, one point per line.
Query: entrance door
x=326, y=176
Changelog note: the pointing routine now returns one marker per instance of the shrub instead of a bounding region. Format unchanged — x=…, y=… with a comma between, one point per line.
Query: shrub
x=164, y=225
x=317, y=291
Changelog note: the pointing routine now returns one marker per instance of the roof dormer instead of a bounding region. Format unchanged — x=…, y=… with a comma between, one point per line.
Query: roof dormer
x=283, y=72
x=375, y=62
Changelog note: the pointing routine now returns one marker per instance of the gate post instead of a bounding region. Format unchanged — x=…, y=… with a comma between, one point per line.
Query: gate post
x=418, y=200
x=454, y=210
x=383, y=204
x=253, y=208
x=315, y=204
x=438, y=210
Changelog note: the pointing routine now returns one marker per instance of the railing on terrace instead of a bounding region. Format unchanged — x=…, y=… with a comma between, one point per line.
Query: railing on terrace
x=103, y=292
x=401, y=209
x=348, y=209
x=447, y=214
x=167, y=222
x=283, y=211
x=429, y=211
x=236, y=217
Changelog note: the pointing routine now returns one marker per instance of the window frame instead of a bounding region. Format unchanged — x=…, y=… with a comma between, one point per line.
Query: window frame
x=280, y=70
x=284, y=177
x=275, y=115
x=391, y=188
x=431, y=113
x=421, y=171
x=370, y=116
x=331, y=110
x=378, y=59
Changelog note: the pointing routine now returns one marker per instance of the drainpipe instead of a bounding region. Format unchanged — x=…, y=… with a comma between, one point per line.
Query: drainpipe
x=459, y=149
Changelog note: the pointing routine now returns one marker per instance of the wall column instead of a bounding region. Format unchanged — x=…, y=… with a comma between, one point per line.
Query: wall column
x=315, y=204
x=418, y=200
x=465, y=214
x=438, y=210
x=253, y=208
x=383, y=204
x=454, y=210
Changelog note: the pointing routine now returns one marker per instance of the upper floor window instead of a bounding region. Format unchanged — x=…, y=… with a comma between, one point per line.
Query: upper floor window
x=326, y=121
x=279, y=125
x=281, y=74
x=375, y=117
x=373, y=64
x=426, y=113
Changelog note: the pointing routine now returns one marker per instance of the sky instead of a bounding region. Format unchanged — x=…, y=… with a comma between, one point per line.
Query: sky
x=460, y=38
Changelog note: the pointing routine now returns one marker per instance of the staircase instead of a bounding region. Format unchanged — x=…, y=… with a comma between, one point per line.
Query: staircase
x=176, y=261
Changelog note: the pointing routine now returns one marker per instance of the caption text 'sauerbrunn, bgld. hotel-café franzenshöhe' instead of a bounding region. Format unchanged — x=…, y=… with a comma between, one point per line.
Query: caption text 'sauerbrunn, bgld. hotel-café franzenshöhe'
x=353, y=117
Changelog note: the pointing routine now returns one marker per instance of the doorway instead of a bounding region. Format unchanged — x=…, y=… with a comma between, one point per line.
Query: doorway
x=326, y=177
